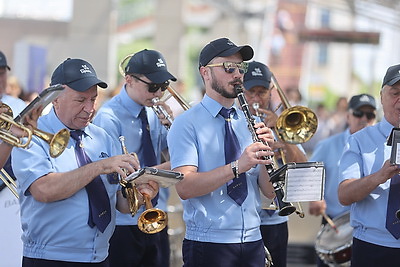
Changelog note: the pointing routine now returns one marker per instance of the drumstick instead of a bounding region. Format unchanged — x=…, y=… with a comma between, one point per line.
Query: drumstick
x=331, y=223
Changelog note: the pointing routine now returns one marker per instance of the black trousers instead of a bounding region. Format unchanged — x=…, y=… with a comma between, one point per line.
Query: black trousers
x=275, y=238
x=205, y=254
x=365, y=254
x=30, y=262
x=130, y=247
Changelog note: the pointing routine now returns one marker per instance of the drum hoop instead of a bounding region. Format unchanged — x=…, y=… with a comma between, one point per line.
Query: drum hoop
x=333, y=251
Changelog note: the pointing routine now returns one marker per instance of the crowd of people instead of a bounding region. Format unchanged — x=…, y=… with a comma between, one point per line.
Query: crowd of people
x=73, y=210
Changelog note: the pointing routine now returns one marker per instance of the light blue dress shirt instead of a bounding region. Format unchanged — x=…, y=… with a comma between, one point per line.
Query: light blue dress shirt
x=59, y=230
x=329, y=151
x=365, y=153
x=196, y=138
x=120, y=117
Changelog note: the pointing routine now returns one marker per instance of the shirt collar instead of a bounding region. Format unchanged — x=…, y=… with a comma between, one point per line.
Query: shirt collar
x=212, y=106
x=127, y=102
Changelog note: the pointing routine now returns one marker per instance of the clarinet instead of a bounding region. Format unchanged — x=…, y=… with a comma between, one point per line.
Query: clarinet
x=250, y=124
x=285, y=208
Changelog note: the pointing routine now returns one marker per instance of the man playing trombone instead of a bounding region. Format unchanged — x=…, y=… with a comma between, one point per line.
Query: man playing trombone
x=130, y=114
x=68, y=203
x=274, y=228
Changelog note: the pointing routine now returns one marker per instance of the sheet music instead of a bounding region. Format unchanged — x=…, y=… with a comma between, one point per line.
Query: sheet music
x=304, y=184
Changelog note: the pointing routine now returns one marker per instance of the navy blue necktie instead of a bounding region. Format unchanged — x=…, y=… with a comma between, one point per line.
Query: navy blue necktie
x=237, y=188
x=392, y=222
x=149, y=157
x=99, y=203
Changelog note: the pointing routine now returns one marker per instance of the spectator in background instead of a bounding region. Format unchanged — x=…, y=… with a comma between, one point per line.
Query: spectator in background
x=336, y=123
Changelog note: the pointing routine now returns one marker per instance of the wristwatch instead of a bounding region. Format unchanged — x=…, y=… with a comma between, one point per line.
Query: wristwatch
x=235, y=168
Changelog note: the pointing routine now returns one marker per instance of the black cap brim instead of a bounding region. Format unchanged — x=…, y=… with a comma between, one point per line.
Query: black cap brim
x=245, y=51
x=83, y=85
x=252, y=83
x=393, y=81
x=160, y=76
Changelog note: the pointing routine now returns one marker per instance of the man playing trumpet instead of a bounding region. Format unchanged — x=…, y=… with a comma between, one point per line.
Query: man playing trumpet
x=68, y=203
x=129, y=114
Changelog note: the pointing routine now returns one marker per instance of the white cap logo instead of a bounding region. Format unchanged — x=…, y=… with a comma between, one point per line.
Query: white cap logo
x=85, y=69
x=257, y=72
x=230, y=43
x=364, y=98
x=160, y=63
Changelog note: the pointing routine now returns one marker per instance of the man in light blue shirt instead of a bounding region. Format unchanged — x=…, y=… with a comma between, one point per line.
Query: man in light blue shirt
x=361, y=113
x=54, y=192
x=274, y=228
x=219, y=230
x=365, y=180
x=146, y=78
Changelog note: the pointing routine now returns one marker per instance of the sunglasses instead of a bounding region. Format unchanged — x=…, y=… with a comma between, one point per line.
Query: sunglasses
x=360, y=114
x=154, y=87
x=230, y=67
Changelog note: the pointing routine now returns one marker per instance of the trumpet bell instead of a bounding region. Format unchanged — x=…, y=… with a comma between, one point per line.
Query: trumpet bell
x=297, y=125
x=59, y=142
x=152, y=221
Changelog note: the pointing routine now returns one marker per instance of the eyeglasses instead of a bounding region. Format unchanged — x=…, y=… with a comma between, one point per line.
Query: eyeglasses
x=360, y=114
x=154, y=87
x=230, y=67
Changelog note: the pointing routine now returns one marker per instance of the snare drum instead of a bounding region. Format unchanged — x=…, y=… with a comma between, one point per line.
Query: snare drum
x=334, y=248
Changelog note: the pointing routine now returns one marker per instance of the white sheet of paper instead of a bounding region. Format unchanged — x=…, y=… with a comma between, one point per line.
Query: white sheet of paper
x=304, y=184
x=398, y=153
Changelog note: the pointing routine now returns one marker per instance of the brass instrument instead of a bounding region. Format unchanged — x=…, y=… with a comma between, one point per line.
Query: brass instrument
x=159, y=110
x=152, y=220
x=285, y=208
x=57, y=142
x=296, y=124
x=129, y=189
x=9, y=182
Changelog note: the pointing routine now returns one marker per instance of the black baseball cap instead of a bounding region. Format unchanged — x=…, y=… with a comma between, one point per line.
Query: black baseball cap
x=151, y=64
x=257, y=74
x=223, y=47
x=358, y=101
x=3, y=61
x=392, y=75
x=77, y=74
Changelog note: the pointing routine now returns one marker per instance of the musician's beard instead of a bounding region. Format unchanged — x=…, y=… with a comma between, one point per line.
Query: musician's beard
x=221, y=89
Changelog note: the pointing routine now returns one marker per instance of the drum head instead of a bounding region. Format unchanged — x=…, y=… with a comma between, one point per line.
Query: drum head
x=332, y=246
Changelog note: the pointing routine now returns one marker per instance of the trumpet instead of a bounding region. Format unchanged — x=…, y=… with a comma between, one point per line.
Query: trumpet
x=9, y=182
x=152, y=220
x=57, y=142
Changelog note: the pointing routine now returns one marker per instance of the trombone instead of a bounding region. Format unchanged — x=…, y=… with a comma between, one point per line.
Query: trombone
x=297, y=124
x=9, y=182
x=57, y=142
x=152, y=220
